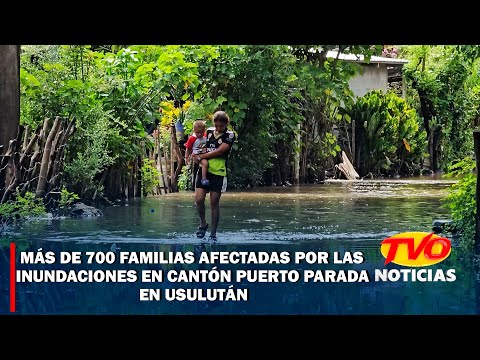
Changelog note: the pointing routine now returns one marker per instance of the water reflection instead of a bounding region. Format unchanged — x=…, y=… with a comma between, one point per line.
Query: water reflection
x=335, y=217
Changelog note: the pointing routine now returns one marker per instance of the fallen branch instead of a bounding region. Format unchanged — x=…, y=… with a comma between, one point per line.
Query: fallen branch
x=347, y=168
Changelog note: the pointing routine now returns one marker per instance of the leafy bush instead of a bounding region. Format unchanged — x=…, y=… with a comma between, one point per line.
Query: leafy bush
x=389, y=139
x=20, y=208
x=184, y=179
x=461, y=200
x=67, y=198
x=150, y=176
x=93, y=157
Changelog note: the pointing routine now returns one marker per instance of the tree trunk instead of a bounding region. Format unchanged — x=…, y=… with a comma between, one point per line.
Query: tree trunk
x=9, y=101
x=162, y=174
x=296, y=171
x=45, y=164
x=9, y=93
x=435, y=153
x=427, y=112
x=176, y=154
x=173, y=186
x=277, y=177
x=282, y=161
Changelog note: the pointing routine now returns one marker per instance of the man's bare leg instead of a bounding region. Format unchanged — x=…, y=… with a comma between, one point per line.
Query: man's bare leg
x=215, y=207
x=200, y=195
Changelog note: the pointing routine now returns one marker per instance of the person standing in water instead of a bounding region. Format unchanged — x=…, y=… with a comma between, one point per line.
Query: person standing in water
x=219, y=144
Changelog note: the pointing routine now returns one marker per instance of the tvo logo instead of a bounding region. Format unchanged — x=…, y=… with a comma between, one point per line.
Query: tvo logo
x=415, y=249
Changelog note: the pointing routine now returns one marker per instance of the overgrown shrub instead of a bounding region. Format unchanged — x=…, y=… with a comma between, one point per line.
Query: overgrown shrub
x=20, y=208
x=461, y=200
x=150, y=176
x=67, y=198
x=93, y=157
x=388, y=137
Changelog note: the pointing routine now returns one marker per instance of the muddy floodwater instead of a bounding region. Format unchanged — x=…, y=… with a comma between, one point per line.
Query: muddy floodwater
x=342, y=221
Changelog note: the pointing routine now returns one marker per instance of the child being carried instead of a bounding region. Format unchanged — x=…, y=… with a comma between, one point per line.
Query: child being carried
x=195, y=145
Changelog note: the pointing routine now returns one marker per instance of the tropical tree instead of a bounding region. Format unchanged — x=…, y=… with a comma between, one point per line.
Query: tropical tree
x=439, y=75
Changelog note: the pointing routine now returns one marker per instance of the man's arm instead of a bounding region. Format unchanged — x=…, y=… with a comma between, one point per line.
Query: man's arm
x=189, y=148
x=187, y=155
x=212, y=154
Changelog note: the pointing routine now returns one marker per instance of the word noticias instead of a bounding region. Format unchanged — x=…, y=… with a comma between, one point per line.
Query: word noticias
x=415, y=249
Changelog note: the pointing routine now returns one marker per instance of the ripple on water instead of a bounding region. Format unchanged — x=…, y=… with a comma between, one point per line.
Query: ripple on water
x=228, y=237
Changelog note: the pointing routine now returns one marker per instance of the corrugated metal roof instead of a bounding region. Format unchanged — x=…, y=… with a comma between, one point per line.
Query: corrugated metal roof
x=359, y=58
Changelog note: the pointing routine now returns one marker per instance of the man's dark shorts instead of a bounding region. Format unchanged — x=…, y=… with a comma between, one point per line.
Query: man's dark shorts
x=218, y=183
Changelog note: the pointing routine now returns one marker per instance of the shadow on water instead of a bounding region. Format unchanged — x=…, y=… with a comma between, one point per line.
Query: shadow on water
x=337, y=217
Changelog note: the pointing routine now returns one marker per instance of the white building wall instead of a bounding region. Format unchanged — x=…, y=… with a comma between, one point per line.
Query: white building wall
x=374, y=77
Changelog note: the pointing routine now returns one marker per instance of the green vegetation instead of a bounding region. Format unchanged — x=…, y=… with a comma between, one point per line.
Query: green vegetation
x=283, y=102
x=67, y=198
x=389, y=137
x=290, y=106
x=17, y=210
x=149, y=176
x=444, y=87
x=461, y=200
x=184, y=178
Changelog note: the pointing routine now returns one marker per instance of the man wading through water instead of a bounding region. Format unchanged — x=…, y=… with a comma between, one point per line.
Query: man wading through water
x=219, y=144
